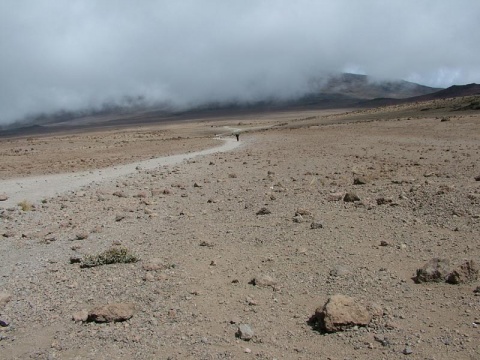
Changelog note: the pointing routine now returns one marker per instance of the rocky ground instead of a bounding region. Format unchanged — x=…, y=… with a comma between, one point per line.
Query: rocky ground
x=238, y=252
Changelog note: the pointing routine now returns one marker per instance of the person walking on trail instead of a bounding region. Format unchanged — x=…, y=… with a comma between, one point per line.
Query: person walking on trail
x=238, y=136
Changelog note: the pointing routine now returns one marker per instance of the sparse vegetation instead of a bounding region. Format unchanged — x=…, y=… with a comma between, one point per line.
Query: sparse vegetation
x=25, y=205
x=114, y=255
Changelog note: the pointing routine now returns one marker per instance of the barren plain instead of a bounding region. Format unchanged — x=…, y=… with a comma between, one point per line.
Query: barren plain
x=257, y=238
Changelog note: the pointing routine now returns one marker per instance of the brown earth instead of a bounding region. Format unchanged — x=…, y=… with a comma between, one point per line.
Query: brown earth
x=201, y=224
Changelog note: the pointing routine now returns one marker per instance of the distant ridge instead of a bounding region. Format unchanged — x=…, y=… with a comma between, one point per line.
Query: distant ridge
x=340, y=91
x=450, y=92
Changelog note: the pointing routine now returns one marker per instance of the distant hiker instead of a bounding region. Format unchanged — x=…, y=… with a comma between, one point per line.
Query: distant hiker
x=238, y=136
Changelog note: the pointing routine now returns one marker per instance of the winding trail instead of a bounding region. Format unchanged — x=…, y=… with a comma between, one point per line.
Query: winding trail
x=41, y=187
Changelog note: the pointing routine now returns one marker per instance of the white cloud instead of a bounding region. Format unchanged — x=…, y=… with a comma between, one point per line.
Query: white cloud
x=78, y=53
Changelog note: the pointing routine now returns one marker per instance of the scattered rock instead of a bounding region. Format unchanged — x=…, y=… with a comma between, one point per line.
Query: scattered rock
x=341, y=312
x=434, y=270
x=407, y=351
x=466, y=272
x=119, y=194
x=303, y=212
x=298, y=219
x=119, y=217
x=206, y=244
x=359, y=180
x=8, y=234
x=351, y=197
x=81, y=236
x=111, y=312
x=148, y=277
x=339, y=270
x=263, y=281
x=382, y=340
x=245, y=332
x=154, y=265
x=80, y=316
x=3, y=197
x=316, y=225
x=75, y=259
x=384, y=243
x=263, y=211
x=335, y=196
x=384, y=201
x=197, y=185
x=477, y=178
x=477, y=290
x=4, y=299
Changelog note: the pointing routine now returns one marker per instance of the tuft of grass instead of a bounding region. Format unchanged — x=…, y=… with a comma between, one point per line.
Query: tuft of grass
x=114, y=255
x=25, y=205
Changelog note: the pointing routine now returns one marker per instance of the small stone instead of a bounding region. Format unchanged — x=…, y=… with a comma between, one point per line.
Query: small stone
x=384, y=201
x=298, y=219
x=382, y=340
x=339, y=270
x=149, y=277
x=75, y=259
x=206, y=244
x=82, y=236
x=335, y=196
x=4, y=299
x=3, y=197
x=477, y=178
x=248, y=350
x=263, y=211
x=154, y=264
x=303, y=212
x=407, y=350
x=197, y=185
x=351, y=197
x=119, y=194
x=316, y=225
x=263, y=281
x=80, y=316
x=359, y=180
x=383, y=243
x=119, y=217
x=245, y=332
x=111, y=312
x=8, y=234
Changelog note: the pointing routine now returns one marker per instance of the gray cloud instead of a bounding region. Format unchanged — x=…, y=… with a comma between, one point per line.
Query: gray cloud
x=76, y=54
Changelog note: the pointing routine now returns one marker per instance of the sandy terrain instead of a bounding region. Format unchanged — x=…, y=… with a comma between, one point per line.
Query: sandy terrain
x=202, y=220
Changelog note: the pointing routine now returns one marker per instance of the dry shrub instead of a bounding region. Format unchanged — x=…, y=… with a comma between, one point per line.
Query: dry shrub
x=114, y=255
x=25, y=205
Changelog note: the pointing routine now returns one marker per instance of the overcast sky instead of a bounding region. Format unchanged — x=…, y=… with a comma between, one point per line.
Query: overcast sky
x=59, y=54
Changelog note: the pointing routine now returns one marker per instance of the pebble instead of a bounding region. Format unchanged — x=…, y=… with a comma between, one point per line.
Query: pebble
x=245, y=332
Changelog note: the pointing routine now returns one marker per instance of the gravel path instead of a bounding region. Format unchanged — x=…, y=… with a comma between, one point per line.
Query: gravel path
x=37, y=188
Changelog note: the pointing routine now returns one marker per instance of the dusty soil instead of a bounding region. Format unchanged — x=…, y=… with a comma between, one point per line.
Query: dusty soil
x=420, y=200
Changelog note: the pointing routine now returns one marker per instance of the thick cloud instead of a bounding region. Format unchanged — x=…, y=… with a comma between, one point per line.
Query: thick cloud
x=74, y=54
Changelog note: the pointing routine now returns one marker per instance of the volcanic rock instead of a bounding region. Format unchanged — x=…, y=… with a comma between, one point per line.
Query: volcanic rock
x=466, y=272
x=434, y=270
x=341, y=312
x=111, y=312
